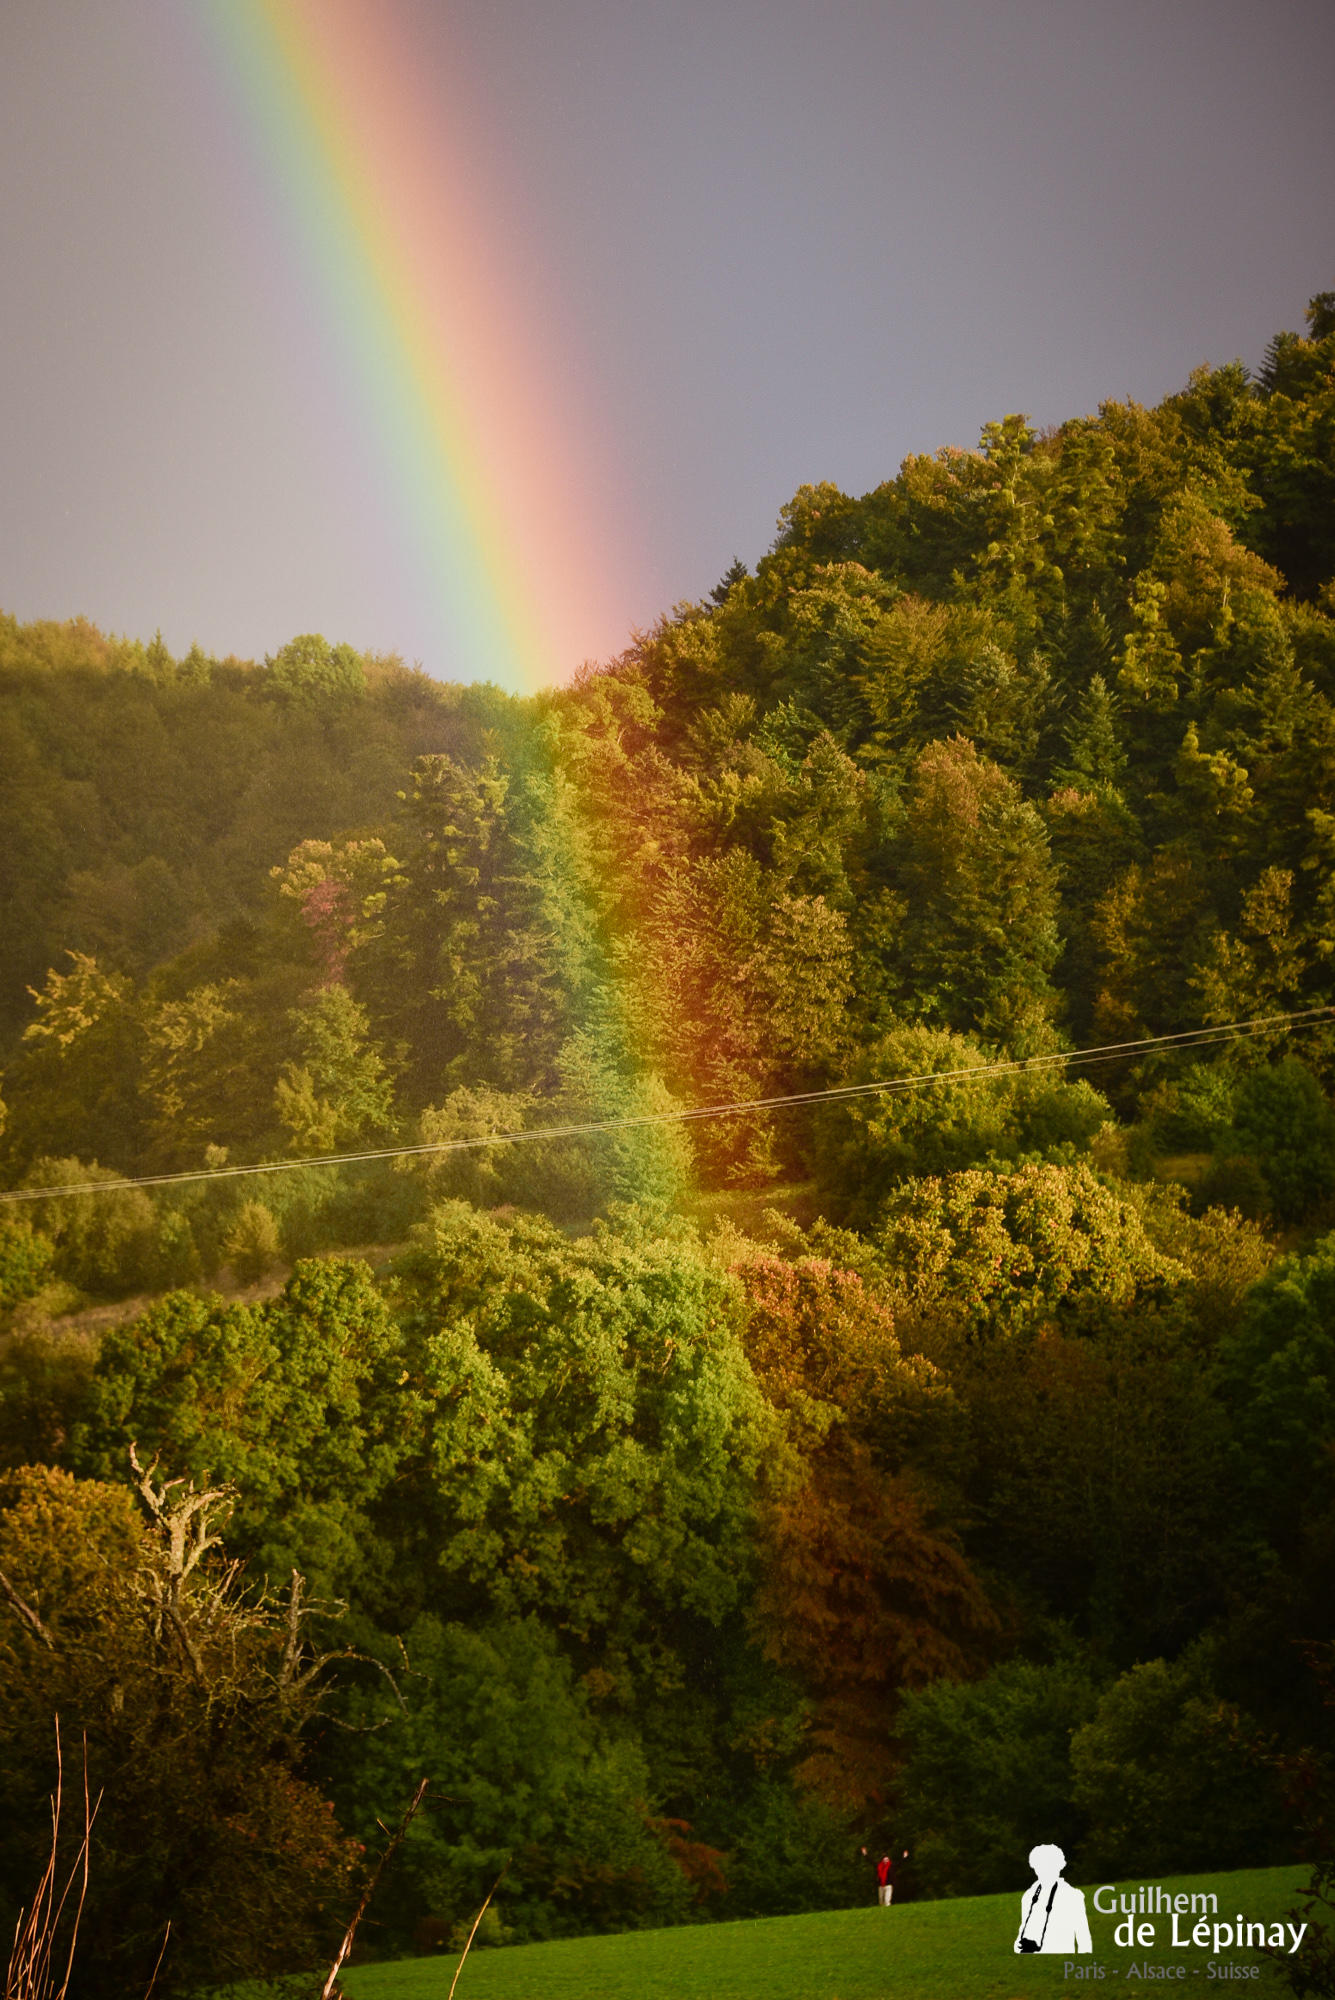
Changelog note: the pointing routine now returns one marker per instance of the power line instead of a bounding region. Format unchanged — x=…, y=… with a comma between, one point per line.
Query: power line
x=1188, y=1038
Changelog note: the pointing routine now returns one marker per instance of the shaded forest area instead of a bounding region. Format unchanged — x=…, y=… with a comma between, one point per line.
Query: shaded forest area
x=695, y=1505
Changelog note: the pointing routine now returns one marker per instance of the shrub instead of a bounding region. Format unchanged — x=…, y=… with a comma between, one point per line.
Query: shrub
x=1283, y=1119
x=106, y=1243
x=1163, y=1773
x=25, y=1259
x=252, y=1243
x=989, y=1772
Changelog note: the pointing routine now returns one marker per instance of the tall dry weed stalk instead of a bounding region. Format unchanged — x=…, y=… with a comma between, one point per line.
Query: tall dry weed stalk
x=332, y=1990
x=35, y=1956
x=473, y=1933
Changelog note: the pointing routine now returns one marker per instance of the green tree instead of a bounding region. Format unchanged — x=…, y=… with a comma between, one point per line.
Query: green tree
x=594, y=1434
x=340, y=890
x=310, y=669
x=1095, y=840
x=911, y=666
x=744, y=985
x=298, y=1399
x=484, y=1176
x=225, y=786
x=1093, y=753
x=337, y=1089
x=651, y=1164
x=1100, y=1480
x=208, y=1076
x=105, y=1243
x=980, y=938
x=1156, y=933
x=1151, y=669
x=1282, y=1118
x=252, y=1243
x=75, y=1084
x=1276, y=1373
x=529, y=1780
x=463, y=970
x=736, y=572
x=1013, y=1249
x=1286, y=457
x=1001, y=705
x=25, y=1259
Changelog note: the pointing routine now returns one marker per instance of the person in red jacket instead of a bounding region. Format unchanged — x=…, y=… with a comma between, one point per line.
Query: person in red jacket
x=885, y=1876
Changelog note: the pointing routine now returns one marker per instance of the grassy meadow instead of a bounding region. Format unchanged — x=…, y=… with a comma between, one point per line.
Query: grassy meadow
x=949, y=1950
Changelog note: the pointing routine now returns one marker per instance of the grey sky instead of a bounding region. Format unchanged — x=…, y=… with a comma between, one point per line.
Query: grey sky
x=783, y=242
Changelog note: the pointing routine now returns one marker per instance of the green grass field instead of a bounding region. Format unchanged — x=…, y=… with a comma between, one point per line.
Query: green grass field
x=922, y=1951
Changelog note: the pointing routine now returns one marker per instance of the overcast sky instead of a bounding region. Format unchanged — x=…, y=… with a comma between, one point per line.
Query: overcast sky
x=768, y=242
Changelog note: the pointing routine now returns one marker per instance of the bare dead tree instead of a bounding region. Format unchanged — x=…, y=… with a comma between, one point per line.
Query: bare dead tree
x=189, y=1520
x=189, y=1524
x=183, y=1669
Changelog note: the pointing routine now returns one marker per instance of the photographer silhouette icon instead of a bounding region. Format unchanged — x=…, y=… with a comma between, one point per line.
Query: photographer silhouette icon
x=1052, y=1912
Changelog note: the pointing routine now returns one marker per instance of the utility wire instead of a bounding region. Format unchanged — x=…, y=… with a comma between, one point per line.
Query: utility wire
x=1188, y=1038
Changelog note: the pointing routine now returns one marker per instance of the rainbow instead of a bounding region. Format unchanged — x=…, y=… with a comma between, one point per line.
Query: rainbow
x=435, y=333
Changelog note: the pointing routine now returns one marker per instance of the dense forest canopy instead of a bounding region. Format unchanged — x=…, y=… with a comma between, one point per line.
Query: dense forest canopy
x=706, y=1500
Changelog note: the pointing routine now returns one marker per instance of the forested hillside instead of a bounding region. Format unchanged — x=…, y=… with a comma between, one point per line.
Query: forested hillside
x=707, y=1500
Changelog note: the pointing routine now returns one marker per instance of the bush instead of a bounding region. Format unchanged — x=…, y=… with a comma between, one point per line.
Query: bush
x=1283, y=1119
x=1190, y=1114
x=989, y=1773
x=252, y=1243
x=788, y=1850
x=106, y=1243
x=339, y=1208
x=1234, y=1182
x=1164, y=1775
x=43, y=1393
x=177, y=1261
x=1276, y=1378
x=25, y=1260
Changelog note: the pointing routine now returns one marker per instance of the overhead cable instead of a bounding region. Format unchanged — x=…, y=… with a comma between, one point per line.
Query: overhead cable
x=1063, y=1059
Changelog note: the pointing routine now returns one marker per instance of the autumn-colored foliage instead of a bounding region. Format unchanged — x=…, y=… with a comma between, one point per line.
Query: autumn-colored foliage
x=864, y=1597
x=860, y=1592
